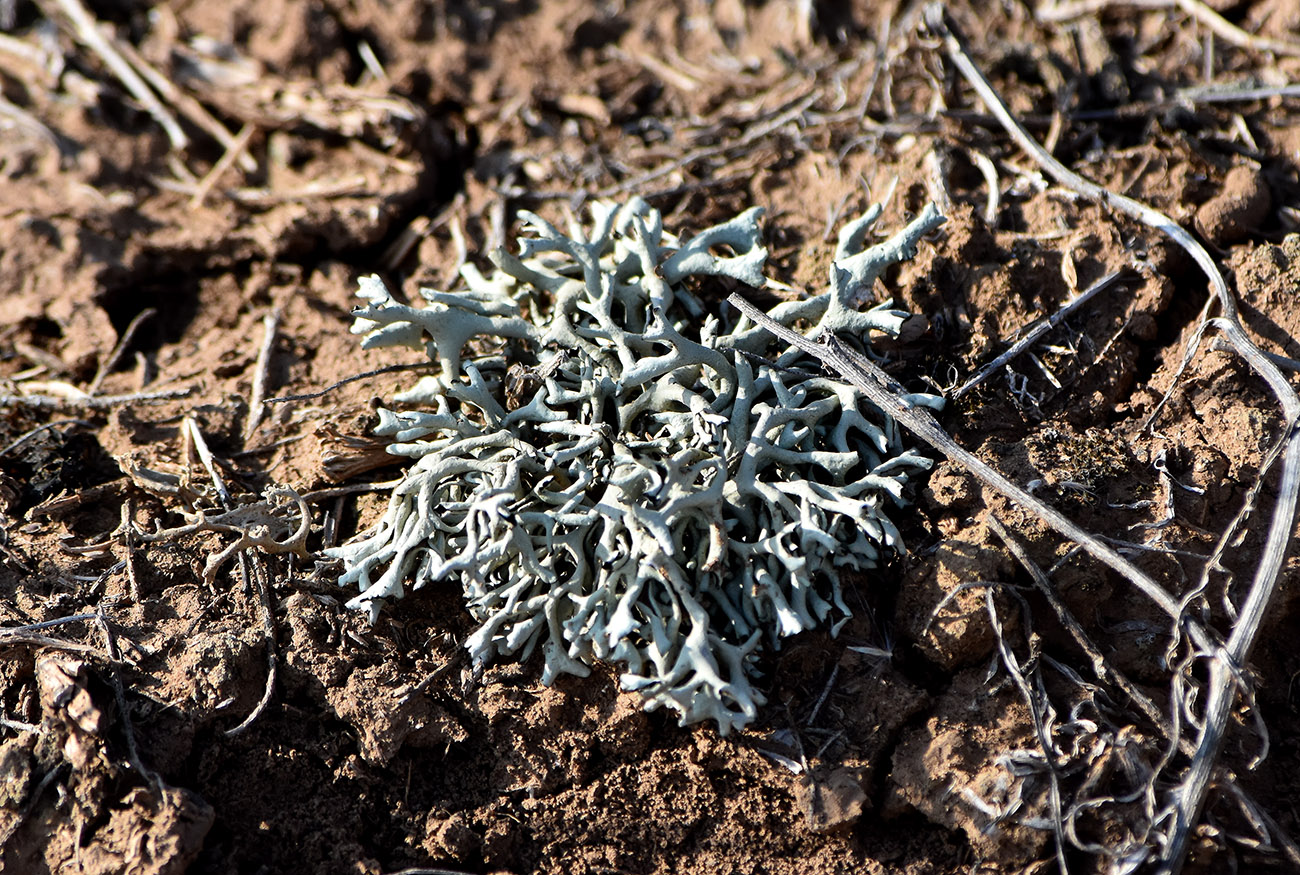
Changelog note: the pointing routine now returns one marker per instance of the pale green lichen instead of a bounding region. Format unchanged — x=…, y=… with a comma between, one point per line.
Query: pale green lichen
x=621, y=480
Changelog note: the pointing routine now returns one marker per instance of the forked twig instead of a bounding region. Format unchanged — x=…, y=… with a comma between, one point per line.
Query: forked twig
x=233, y=153
x=255, y=525
x=261, y=582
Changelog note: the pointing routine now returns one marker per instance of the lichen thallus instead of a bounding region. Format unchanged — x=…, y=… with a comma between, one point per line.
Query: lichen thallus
x=650, y=492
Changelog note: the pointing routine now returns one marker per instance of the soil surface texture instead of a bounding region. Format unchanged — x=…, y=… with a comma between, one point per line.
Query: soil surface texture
x=188, y=194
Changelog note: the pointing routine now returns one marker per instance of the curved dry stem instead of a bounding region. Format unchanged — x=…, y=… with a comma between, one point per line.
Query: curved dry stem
x=1226, y=662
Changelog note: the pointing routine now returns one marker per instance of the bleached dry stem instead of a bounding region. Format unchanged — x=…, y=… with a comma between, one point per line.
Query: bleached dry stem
x=86, y=30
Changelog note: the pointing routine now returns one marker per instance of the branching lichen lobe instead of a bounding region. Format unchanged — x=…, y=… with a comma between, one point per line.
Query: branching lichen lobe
x=647, y=492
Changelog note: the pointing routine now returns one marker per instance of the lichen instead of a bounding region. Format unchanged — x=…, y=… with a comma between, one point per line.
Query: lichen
x=624, y=477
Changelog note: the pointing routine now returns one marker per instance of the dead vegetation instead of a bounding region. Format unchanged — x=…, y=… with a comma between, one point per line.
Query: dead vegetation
x=1083, y=663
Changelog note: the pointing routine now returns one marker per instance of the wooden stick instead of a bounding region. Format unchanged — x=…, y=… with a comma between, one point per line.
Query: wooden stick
x=87, y=32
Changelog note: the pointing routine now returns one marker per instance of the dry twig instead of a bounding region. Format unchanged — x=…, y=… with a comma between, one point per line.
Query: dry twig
x=884, y=391
x=26, y=436
x=1101, y=667
x=194, y=439
x=1038, y=330
x=1226, y=663
x=792, y=112
x=308, y=396
x=110, y=361
x=86, y=31
x=1011, y=663
x=234, y=152
x=261, y=583
x=119, y=693
x=71, y=396
x=10, y=637
x=187, y=105
x=1196, y=9
x=256, y=402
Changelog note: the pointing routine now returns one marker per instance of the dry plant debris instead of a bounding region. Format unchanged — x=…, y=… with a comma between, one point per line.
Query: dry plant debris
x=630, y=480
x=192, y=190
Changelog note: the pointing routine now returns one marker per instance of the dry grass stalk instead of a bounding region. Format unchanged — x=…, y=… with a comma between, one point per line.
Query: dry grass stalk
x=1195, y=9
x=256, y=401
x=85, y=29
